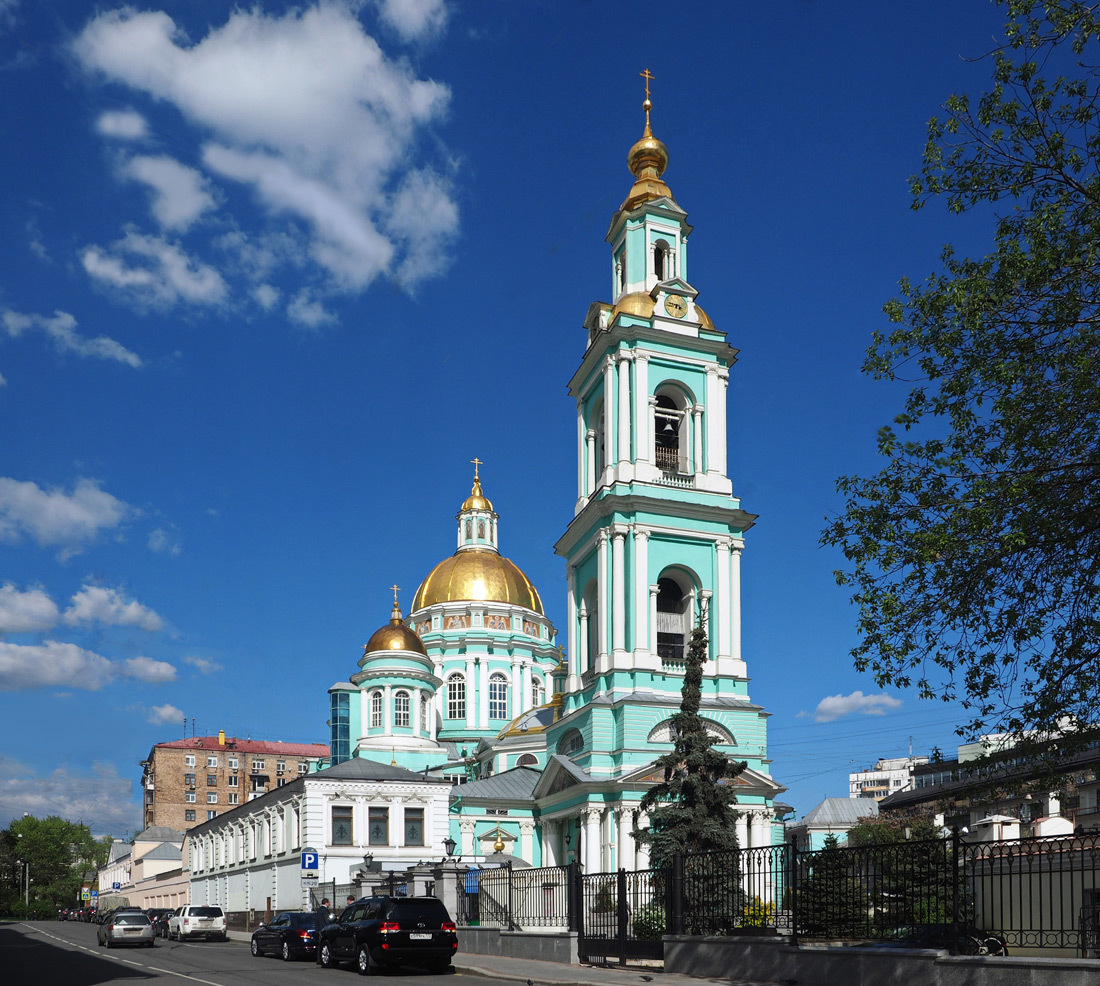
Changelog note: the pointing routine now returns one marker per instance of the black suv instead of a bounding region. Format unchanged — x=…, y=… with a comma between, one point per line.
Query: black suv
x=376, y=932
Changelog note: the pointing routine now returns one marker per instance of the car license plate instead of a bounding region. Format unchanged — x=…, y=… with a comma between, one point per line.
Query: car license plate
x=416, y=937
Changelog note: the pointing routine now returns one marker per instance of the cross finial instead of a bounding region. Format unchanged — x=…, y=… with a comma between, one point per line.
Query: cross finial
x=649, y=77
x=647, y=105
x=477, y=462
x=396, y=589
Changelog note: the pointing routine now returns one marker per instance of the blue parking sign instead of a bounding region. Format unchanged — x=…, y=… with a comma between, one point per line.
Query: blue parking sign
x=310, y=861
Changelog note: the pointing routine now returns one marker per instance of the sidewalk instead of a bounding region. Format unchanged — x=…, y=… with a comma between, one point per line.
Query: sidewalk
x=557, y=974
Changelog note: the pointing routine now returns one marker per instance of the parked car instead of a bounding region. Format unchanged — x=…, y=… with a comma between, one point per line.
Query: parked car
x=291, y=935
x=159, y=916
x=380, y=932
x=198, y=920
x=126, y=927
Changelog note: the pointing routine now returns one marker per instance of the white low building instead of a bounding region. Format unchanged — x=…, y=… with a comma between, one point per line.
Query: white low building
x=249, y=859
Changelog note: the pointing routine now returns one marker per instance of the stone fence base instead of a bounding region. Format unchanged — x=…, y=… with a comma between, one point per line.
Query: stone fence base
x=549, y=946
x=776, y=960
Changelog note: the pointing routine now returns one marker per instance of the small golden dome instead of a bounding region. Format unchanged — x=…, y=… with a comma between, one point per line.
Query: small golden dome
x=636, y=303
x=395, y=636
x=477, y=500
x=477, y=575
x=648, y=153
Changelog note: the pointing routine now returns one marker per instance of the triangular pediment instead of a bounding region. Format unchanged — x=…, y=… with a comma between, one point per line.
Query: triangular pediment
x=674, y=285
x=560, y=773
x=749, y=781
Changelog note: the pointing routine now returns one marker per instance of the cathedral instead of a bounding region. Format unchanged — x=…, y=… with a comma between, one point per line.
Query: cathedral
x=549, y=747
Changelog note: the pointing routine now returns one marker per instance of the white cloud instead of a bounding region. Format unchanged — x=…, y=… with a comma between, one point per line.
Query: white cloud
x=60, y=330
x=164, y=275
x=53, y=663
x=307, y=111
x=266, y=296
x=424, y=216
x=147, y=669
x=203, y=664
x=101, y=799
x=23, y=612
x=308, y=312
x=53, y=517
x=164, y=715
x=122, y=124
x=414, y=19
x=162, y=542
x=834, y=707
x=96, y=604
x=180, y=194
x=57, y=664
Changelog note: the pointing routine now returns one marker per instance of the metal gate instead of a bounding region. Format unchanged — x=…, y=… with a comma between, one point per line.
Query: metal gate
x=622, y=915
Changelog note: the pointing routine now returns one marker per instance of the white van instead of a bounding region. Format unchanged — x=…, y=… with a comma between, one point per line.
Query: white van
x=198, y=920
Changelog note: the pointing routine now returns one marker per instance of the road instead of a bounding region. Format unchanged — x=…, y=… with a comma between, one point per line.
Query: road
x=62, y=953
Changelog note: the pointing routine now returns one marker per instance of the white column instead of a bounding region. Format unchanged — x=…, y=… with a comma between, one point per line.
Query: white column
x=525, y=699
x=604, y=598
x=414, y=712
x=741, y=827
x=483, y=691
x=618, y=585
x=641, y=855
x=571, y=683
x=641, y=408
x=466, y=836
x=527, y=841
x=735, y=600
x=432, y=716
x=759, y=827
x=551, y=832
x=608, y=409
x=722, y=597
x=624, y=408
x=582, y=450
x=653, y=590
x=517, y=693
x=719, y=410
x=641, y=589
x=592, y=847
x=387, y=710
x=714, y=413
x=590, y=477
x=697, y=438
x=583, y=656
x=471, y=694
x=624, y=816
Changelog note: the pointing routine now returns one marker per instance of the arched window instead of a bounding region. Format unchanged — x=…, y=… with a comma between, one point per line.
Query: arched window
x=671, y=619
x=661, y=266
x=667, y=421
x=498, y=696
x=456, y=697
x=527, y=760
x=572, y=742
x=401, y=708
x=537, y=691
x=425, y=712
x=376, y=710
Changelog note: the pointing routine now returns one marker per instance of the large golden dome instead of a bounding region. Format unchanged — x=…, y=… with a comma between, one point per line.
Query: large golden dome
x=395, y=636
x=477, y=575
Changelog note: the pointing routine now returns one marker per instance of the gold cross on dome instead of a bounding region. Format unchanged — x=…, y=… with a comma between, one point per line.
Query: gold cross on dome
x=649, y=77
x=477, y=462
x=396, y=589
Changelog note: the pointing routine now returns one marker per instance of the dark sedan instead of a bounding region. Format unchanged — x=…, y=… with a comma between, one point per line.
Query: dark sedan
x=291, y=935
x=379, y=933
x=159, y=916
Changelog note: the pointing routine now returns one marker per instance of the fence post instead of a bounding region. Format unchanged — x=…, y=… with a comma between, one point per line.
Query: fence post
x=793, y=871
x=623, y=916
x=954, y=890
x=571, y=909
x=675, y=909
x=511, y=923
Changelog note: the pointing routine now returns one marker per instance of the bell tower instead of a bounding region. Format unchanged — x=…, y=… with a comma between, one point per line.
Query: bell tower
x=656, y=538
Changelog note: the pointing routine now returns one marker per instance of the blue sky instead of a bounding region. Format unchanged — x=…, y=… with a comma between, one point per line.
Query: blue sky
x=271, y=275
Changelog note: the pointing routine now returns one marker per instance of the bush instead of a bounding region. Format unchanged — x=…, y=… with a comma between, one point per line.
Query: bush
x=649, y=922
x=758, y=914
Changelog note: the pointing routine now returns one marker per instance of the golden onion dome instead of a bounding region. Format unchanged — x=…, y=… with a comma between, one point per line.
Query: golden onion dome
x=647, y=161
x=477, y=575
x=477, y=500
x=395, y=636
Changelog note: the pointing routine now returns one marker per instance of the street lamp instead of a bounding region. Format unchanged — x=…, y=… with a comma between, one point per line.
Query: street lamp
x=449, y=846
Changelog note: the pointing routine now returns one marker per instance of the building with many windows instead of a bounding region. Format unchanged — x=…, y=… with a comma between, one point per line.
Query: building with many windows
x=888, y=776
x=191, y=780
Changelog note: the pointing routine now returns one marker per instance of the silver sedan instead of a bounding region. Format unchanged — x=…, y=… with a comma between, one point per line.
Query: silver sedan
x=128, y=928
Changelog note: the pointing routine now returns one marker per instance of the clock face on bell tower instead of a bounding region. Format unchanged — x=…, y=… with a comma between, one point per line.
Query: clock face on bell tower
x=676, y=306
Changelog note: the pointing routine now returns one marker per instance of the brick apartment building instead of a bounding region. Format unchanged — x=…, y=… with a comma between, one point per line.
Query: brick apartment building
x=188, y=781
